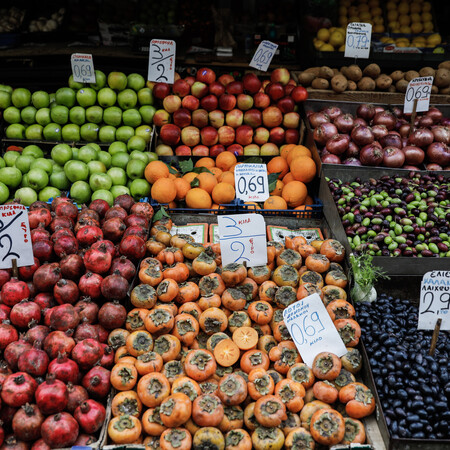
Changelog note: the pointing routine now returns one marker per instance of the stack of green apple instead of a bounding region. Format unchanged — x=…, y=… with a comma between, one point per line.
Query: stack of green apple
x=87, y=172
x=114, y=108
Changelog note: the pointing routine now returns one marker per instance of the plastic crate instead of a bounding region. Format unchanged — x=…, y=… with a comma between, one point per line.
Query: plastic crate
x=235, y=207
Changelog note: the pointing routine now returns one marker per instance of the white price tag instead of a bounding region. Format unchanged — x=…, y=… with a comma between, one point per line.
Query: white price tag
x=357, y=41
x=434, y=300
x=252, y=183
x=263, y=56
x=312, y=329
x=161, y=64
x=15, y=236
x=197, y=231
x=243, y=238
x=82, y=68
x=420, y=89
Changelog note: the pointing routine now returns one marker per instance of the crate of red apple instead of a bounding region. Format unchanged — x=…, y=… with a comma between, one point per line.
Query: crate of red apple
x=206, y=114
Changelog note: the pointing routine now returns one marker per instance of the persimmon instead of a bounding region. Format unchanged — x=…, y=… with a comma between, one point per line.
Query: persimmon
x=306, y=289
x=285, y=296
x=121, y=353
x=214, y=339
x=291, y=393
x=349, y=330
x=249, y=417
x=245, y=338
x=209, y=386
x=352, y=360
x=190, y=308
x=302, y=374
x=167, y=290
x=333, y=250
x=209, y=301
x=264, y=438
x=200, y=364
x=162, y=234
x=153, y=247
x=260, y=383
x=238, y=439
x=124, y=429
x=149, y=362
x=285, y=275
x=233, y=274
x=188, y=291
x=260, y=312
x=305, y=250
x=284, y=356
x=312, y=277
x=175, y=410
x=211, y=284
x=249, y=287
x=209, y=436
x=266, y=343
x=187, y=386
x=175, y=439
x=292, y=242
x=143, y=296
x=180, y=240
x=159, y=320
x=173, y=370
x=117, y=338
x=327, y=427
x=259, y=274
x=233, y=419
x=226, y=352
x=317, y=262
x=359, y=400
x=123, y=376
x=326, y=366
x=325, y=391
x=186, y=328
x=136, y=319
x=308, y=411
x=167, y=346
x=153, y=388
x=299, y=438
x=126, y=402
x=192, y=249
x=152, y=423
x=139, y=342
x=234, y=299
x=291, y=257
x=355, y=432
x=267, y=291
x=213, y=320
x=178, y=271
x=151, y=275
x=253, y=359
x=232, y=389
x=331, y=293
x=340, y=309
x=207, y=410
x=270, y=411
x=204, y=264
x=276, y=376
x=343, y=379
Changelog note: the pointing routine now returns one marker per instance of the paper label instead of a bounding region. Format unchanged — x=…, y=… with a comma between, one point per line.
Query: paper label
x=263, y=56
x=252, y=183
x=420, y=89
x=197, y=231
x=15, y=236
x=312, y=329
x=82, y=68
x=279, y=234
x=161, y=64
x=434, y=300
x=357, y=41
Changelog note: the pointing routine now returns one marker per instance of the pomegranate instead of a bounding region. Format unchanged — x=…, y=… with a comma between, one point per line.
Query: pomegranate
x=136, y=220
x=67, y=209
x=38, y=216
x=40, y=445
x=44, y=300
x=14, y=350
x=27, y=422
x=112, y=315
x=136, y=231
x=87, y=353
x=47, y=313
x=98, y=260
x=3, y=313
x=61, y=222
x=38, y=205
x=25, y=272
x=31, y=288
x=88, y=213
x=52, y=395
x=113, y=229
x=37, y=333
x=60, y=430
x=90, y=284
x=8, y=334
x=64, y=369
x=133, y=247
x=18, y=389
x=115, y=286
x=89, y=234
x=97, y=383
x=143, y=209
x=107, y=360
x=110, y=247
x=57, y=200
x=66, y=291
x=124, y=266
x=58, y=342
x=34, y=361
x=72, y=266
x=42, y=250
x=24, y=312
x=125, y=201
x=60, y=232
x=64, y=317
x=12, y=443
x=14, y=291
x=85, y=331
x=77, y=395
x=5, y=275
x=87, y=310
x=103, y=333
x=86, y=221
x=39, y=234
x=46, y=276
x=65, y=245
x=90, y=415
x=116, y=211
x=85, y=439
x=99, y=206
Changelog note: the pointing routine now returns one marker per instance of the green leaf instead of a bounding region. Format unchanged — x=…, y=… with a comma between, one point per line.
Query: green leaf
x=254, y=160
x=201, y=170
x=160, y=214
x=195, y=183
x=272, y=180
x=186, y=166
x=171, y=169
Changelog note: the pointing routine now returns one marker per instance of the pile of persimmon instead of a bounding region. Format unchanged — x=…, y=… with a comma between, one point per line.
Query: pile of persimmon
x=205, y=358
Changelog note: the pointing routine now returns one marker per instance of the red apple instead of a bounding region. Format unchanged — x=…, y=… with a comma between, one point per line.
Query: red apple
x=261, y=100
x=234, y=118
x=189, y=80
x=226, y=135
x=269, y=149
x=253, y=117
x=209, y=136
x=236, y=149
x=225, y=79
x=183, y=150
x=227, y=102
x=292, y=136
x=163, y=150
x=299, y=94
x=181, y=88
x=170, y=134
x=200, y=150
x=190, y=102
x=251, y=150
x=190, y=136
x=199, y=89
x=235, y=88
x=244, y=135
x=216, y=118
x=176, y=76
x=280, y=75
x=244, y=102
x=161, y=117
x=276, y=135
x=264, y=84
x=286, y=104
x=200, y=118
x=289, y=88
x=252, y=84
x=217, y=89
x=261, y=136
x=216, y=149
x=206, y=75
x=182, y=117
x=209, y=102
x=161, y=90
x=272, y=117
x=291, y=120
x=171, y=103
x=275, y=91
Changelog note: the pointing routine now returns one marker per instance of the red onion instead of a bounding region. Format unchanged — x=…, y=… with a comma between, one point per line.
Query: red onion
x=413, y=155
x=397, y=111
x=352, y=150
x=445, y=122
x=371, y=155
x=439, y=153
x=392, y=139
x=393, y=157
x=317, y=118
x=362, y=135
x=404, y=130
x=404, y=142
x=435, y=114
x=379, y=131
x=441, y=134
x=338, y=144
x=324, y=132
x=352, y=162
x=332, y=111
x=359, y=121
x=379, y=109
x=409, y=167
x=331, y=159
x=385, y=118
x=344, y=123
x=426, y=121
x=422, y=137
x=433, y=166
x=365, y=111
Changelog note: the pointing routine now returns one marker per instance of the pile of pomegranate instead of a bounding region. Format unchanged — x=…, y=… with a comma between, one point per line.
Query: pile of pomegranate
x=376, y=136
x=57, y=317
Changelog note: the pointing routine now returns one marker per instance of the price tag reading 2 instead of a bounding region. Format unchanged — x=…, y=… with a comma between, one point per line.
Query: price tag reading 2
x=357, y=41
x=312, y=329
x=252, y=183
x=15, y=236
x=263, y=56
x=418, y=89
x=82, y=68
x=243, y=239
x=434, y=300
x=161, y=66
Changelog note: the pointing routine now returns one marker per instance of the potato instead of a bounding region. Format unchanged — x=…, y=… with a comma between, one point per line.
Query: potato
x=372, y=71
x=434, y=89
x=401, y=85
x=411, y=74
x=383, y=82
x=366, y=84
x=336, y=71
x=444, y=65
x=427, y=72
x=320, y=83
x=326, y=72
x=442, y=79
x=353, y=73
x=314, y=70
x=305, y=78
x=397, y=75
x=343, y=69
x=444, y=91
x=392, y=88
x=339, y=83
x=351, y=85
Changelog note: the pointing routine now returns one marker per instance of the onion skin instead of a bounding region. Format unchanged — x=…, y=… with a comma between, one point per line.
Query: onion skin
x=332, y=112
x=338, y=144
x=426, y=121
x=435, y=114
x=352, y=162
x=409, y=167
x=404, y=130
x=393, y=157
x=422, y=137
x=362, y=135
x=441, y=134
x=352, y=150
x=392, y=139
x=433, y=166
x=385, y=118
x=344, y=123
x=331, y=159
x=366, y=111
x=379, y=109
x=413, y=155
x=324, y=132
x=439, y=153
x=379, y=131
x=371, y=155
x=360, y=121
x=317, y=118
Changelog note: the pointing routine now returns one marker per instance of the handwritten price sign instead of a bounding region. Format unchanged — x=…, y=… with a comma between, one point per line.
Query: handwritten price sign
x=15, y=237
x=161, y=66
x=83, y=68
x=251, y=182
x=357, y=41
x=312, y=329
x=243, y=239
x=434, y=300
x=263, y=56
x=418, y=89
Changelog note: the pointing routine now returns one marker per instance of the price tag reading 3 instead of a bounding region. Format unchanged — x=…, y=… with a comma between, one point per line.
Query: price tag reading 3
x=434, y=300
x=312, y=329
x=357, y=41
x=161, y=65
x=263, y=56
x=243, y=239
x=418, y=89
x=82, y=68
x=15, y=236
x=252, y=183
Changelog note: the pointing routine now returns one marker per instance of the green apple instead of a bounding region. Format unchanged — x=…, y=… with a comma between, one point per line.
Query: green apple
x=145, y=132
x=21, y=97
x=71, y=132
x=96, y=167
x=52, y=132
x=12, y=114
x=15, y=131
x=34, y=132
x=24, y=182
x=119, y=190
x=74, y=84
x=86, y=97
x=65, y=96
x=2, y=162
x=117, y=147
x=40, y=99
x=105, y=158
x=61, y=153
x=120, y=160
x=5, y=99
x=89, y=132
x=145, y=96
x=100, y=181
x=135, y=169
x=112, y=116
x=49, y=192
x=59, y=180
x=94, y=114
x=26, y=196
x=11, y=176
x=140, y=188
x=136, y=143
x=106, y=97
x=103, y=194
x=6, y=88
x=42, y=163
x=118, y=176
x=43, y=116
x=37, y=178
x=107, y=133
x=23, y=163
x=100, y=80
x=80, y=192
x=117, y=81
x=124, y=133
x=10, y=158
x=33, y=150
x=77, y=115
x=28, y=114
x=4, y=193
x=87, y=153
x=52, y=97
x=60, y=114
x=135, y=81
x=147, y=112
x=127, y=99
x=131, y=118
x=142, y=156
x=76, y=171
x=95, y=146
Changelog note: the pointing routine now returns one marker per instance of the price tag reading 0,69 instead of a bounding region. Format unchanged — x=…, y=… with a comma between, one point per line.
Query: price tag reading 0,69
x=252, y=183
x=263, y=56
x=418, y=89
x=82, y=68
x=161, y=65
x=357, y=41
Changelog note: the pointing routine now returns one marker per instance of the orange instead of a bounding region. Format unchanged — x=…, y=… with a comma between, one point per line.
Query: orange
x=172, y=205
x=227, y=177
x=278, y=187
x=303, y=168
x=156, y=170
x=231, y=169
x=278, y=165
x=207, y=181
x=223, y=193
x=275, y=202
x=253, y=205
x=182, y=186
x=198, y=199
x=225, y=160
x=164, y=190
x=298, y=150
x=309, y=200
x=189, y=176
x=205, y=162
x=304, y=208
x=216, y=172
x=285, y=150
x=294, y=193
x=288, y=178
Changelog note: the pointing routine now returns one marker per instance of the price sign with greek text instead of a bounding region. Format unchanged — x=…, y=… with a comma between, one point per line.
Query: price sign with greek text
x=82, y=68
x=15, y=236
x=252, y=183
x=312, y=329
x=263, y=56
x=418, y=89
x=161, y=65
x=434, y=300
x=357, y=40
x=243, y=239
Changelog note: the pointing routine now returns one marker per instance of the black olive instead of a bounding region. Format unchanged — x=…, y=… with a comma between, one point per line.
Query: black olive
x=402, y=394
